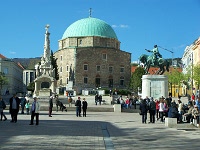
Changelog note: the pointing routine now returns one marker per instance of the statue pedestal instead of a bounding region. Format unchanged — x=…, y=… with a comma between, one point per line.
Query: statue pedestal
x=154, y=86
x=45, y=92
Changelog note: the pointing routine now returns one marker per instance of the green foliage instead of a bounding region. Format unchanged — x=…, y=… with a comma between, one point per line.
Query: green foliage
x=31, y=86
x=54, y=64
x=123, y=92
x=196, y=74
x=3, y=80
x=136, y=79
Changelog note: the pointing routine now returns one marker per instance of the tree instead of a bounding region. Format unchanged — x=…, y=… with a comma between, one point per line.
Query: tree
x=3, y=81
x=196, y=73
x=136, y=79
x=176, y=77
x=54, y=64
x=31, y=86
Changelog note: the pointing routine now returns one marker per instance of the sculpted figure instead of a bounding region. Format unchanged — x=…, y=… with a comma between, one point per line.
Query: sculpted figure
x=155, y=54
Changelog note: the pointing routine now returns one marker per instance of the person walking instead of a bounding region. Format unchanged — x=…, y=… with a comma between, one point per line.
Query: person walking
x=70, y=101
x=84, y=107
x=78, y=107
x=23, y=102
x=2, y=107
x=96, y=98
x=14, y=107
x=27, y=105
x=35, y=108
x=57, y=102
x=50, y=106
x=100, y=99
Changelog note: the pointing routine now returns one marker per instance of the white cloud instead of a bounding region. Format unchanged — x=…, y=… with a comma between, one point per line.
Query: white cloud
x=13, y=53
x=114, y=26
x=120, y=26
x=123, y=26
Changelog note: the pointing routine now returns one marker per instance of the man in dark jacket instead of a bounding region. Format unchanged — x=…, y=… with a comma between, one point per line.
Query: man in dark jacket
x=144, y=109
x=78, y=107
x=14, y=107
x=84, y=107
x=152, y=110
x=173, y=111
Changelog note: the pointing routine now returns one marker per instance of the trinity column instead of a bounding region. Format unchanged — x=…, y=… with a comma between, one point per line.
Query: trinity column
x=45, y=73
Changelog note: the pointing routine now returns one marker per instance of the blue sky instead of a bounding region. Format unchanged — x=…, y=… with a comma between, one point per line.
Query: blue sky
x=139, y=24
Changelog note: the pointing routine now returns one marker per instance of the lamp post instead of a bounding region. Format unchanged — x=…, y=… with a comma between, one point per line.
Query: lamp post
x=192, y=73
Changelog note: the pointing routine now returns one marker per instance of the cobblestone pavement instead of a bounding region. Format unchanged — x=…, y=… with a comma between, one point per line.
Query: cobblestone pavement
x=97, y=131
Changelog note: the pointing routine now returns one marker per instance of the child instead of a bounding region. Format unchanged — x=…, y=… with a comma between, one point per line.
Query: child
x=27, y=107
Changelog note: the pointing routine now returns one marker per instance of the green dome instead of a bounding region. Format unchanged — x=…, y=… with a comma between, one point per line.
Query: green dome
x=89, y=27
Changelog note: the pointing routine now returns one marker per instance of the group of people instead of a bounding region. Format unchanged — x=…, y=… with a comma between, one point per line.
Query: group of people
x=193, y=110
x=80, y=105
x=98, y=98
x=128, y=103
x=15, y=103
x=159, y=109
x=166, y=107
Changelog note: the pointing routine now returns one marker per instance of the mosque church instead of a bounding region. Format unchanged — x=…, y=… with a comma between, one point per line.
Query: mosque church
x=89, y=55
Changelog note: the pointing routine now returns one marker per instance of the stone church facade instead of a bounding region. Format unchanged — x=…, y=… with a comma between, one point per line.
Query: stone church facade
x=89, y=55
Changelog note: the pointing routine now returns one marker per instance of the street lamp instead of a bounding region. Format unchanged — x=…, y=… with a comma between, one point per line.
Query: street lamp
x=192, y=73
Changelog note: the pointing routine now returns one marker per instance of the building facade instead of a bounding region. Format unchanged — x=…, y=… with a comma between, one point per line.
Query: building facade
x=14, y=73
x=89, y=55
x=28, y=77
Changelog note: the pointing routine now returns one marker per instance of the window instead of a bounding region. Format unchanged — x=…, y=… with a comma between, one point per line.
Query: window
x=85, y=80
x=121, y=81
x=85, y=67
x=67, y=80
x=80, y=42
x=5, y=70
x=60, y=69
x=67, y=68
x=60, y=81
x=122, y=69
x=104, y=56
x=98, y=68
x=110, y=69
x=61, y=58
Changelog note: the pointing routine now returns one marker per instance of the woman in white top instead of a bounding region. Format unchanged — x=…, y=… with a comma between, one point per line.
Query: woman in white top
x=161, y=109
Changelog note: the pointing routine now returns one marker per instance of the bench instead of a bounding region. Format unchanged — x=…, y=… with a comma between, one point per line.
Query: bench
x=171, y=122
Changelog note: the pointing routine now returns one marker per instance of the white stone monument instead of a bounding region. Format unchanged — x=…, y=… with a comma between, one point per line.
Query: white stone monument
x=45, y=73
x=154, y=86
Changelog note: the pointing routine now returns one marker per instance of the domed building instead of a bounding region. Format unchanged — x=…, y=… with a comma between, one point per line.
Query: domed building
x=89, y=55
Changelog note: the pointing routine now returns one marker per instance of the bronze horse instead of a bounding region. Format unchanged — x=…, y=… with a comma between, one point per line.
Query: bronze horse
x=147, y=60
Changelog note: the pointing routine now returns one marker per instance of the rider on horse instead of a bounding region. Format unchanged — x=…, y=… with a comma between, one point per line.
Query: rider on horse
x=155, y=54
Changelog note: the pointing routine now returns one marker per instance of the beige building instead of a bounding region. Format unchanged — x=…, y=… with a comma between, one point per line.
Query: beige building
x=89, y=55
x=14, y=73
x=196, y=52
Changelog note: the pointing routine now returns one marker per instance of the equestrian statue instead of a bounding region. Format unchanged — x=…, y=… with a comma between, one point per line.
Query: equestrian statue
x=154, y=60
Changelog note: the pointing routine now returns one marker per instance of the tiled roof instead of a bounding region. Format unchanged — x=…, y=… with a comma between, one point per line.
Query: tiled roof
x=1, y=56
